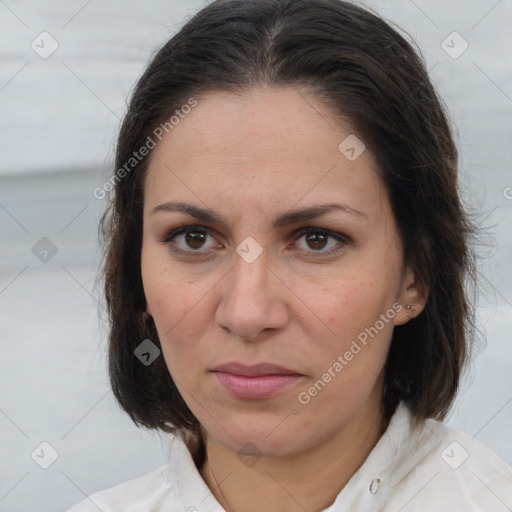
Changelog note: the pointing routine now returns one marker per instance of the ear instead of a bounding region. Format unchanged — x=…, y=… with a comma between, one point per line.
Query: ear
x=148, y=311
x=411, y=298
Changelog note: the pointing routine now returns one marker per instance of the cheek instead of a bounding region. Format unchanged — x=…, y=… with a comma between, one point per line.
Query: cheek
x=181, y=310
x=173, y=309
x=352, y=309
x=168, y=294
x=352, y=303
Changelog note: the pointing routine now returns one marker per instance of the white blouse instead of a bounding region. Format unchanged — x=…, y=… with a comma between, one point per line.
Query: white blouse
x=432, y=468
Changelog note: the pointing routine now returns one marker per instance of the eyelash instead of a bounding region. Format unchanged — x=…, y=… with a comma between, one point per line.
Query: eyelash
x=343, y=240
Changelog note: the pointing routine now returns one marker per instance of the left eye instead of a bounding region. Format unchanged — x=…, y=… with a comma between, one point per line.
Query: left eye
x=193, y=240
x=318, y=240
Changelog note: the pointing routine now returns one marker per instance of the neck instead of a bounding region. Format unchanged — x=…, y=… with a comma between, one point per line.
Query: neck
x=308, y=480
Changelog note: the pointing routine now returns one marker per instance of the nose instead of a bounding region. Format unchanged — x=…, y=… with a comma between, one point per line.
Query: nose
x=253, y=299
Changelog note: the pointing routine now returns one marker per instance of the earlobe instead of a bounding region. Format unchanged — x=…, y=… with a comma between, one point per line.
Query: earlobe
x=409, y=310
x=412, y=299
x=403, y=316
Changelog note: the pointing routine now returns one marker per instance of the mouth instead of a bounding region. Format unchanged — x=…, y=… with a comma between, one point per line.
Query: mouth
x=256, y=382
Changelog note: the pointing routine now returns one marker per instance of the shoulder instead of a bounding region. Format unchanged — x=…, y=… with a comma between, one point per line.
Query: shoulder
x=140, y=493
x=446, y=469
x=174, y=487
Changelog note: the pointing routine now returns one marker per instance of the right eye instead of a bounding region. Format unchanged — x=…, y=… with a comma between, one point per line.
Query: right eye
x=189, y=240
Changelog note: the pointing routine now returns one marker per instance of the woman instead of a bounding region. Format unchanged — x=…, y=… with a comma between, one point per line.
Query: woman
x=286, y=269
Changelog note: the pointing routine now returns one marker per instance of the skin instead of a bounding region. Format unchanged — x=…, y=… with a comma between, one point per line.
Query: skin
x=250, y=158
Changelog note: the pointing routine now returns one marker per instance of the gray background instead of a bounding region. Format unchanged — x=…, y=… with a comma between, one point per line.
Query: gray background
x=59, y=118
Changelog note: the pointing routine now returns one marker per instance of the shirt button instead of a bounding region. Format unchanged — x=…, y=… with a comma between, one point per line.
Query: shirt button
x=375, y=485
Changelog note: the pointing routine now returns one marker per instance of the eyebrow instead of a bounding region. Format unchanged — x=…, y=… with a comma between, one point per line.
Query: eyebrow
x=282, y=220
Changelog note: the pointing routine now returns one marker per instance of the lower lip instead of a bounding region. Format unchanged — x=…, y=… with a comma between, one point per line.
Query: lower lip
x=255, y=388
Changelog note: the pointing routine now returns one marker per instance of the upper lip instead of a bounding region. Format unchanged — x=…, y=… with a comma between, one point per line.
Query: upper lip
x=256, y=370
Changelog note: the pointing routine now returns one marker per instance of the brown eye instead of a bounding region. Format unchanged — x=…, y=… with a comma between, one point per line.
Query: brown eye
x=317, y=241
x=321, y=241
x=192, y=240
x=195, y=239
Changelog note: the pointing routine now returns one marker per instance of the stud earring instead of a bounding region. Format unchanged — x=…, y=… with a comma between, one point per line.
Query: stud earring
x=410, y=309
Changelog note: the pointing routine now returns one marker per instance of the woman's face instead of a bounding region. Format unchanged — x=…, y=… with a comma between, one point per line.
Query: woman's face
x=274, y=324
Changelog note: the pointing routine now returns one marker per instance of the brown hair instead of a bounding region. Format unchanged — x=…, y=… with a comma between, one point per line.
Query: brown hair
x=369, y=74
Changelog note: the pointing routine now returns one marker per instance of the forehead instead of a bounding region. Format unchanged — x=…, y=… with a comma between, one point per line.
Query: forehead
x=269, y=148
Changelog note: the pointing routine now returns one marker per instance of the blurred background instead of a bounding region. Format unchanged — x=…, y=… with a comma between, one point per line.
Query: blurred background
x=66, y=71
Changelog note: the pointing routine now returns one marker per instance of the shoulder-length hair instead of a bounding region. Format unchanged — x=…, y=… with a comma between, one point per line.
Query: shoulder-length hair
x=368, y=74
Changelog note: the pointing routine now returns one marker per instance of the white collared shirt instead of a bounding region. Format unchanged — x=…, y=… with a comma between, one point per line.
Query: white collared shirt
x=432, y=468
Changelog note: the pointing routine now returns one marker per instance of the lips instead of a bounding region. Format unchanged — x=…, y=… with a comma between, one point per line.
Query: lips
x=256, y=382
x=257, y=370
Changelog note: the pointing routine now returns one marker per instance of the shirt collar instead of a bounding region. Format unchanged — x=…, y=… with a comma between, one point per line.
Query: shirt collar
x=394, y=455
x=192, y=489
x=384, y=467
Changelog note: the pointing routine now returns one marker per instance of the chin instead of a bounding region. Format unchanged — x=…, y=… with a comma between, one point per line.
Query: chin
x=257, y=437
